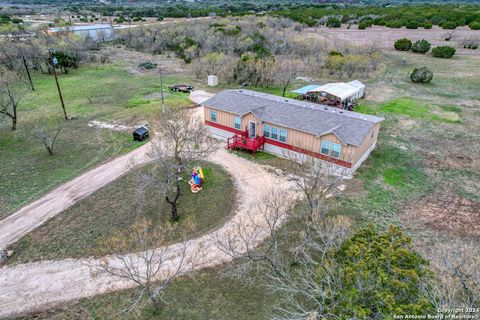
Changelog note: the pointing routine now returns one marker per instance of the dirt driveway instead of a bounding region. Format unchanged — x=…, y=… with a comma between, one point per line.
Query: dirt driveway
x=38, y=286
x=33, y=215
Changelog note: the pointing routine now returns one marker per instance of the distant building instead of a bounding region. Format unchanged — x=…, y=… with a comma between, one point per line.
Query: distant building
x=94, y=31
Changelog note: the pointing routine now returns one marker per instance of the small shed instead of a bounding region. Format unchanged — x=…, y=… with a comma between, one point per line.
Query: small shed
x=212, y=81
x=140, y=134
x=360, y=86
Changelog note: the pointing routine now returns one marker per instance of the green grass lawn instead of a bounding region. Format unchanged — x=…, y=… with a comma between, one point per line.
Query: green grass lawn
x=106, y=93
x=78, y=231
x=413, y=109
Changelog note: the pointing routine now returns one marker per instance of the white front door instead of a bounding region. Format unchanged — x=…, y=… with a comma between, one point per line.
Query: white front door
x=252, y=129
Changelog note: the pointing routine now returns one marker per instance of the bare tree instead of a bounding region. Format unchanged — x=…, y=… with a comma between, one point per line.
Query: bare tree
x=317, y=180
x=244, y=244
x=47, y=132
x=183, y=141
x=310, y=288
x=457, y=266
x=304, y=289
x=286, y=71
x=9, y=95
x=152, y=268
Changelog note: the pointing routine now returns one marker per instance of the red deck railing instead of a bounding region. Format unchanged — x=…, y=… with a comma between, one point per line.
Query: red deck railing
x=243, y=141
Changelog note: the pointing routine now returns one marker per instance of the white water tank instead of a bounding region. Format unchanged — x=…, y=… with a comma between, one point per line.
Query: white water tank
x=212, y=81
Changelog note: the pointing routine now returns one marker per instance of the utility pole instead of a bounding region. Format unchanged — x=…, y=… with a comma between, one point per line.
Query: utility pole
x=54, y=62
x=161, y=90
x=28, y=72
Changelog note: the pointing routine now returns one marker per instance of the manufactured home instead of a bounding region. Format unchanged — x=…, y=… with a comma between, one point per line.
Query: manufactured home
x=259, y=121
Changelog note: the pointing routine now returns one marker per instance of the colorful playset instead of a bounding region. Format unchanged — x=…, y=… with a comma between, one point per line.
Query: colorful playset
x=196, y=180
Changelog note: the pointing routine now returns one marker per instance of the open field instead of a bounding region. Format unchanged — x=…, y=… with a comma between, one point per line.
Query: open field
x=107, y=93
x=423, y=175
x=80, y=230
x=384, y=37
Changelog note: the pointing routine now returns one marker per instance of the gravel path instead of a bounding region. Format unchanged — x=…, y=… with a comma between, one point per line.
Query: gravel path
x=38, y=286
x=33, y=215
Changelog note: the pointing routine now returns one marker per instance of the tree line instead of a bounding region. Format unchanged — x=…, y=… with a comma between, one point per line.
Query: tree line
x=253, y=51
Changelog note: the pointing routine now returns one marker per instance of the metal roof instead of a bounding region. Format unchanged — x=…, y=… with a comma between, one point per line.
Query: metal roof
x=338, y=89
x=357, y=84
x=350, y=127
x=306, y=89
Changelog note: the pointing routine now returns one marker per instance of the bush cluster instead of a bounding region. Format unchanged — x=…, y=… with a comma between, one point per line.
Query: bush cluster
x=421, y=75
x=475, y=25
x=421, y=46
x=333, y=23
x=444, y=52
x=403, y=44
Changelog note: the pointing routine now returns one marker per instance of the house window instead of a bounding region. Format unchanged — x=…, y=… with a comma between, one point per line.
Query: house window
x=283, y=135
x=336, y=149
x=274, y=133
x=266, y=130
x=213, y=116
x=238, y=123
x=325, y=149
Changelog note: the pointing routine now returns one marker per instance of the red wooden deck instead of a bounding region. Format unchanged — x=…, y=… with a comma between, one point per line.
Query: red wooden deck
x=242, y=141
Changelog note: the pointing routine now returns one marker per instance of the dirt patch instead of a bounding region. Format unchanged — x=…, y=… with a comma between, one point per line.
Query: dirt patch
x=445, y=213
x=169, y=64
x=110, y=126
x=200, y=96
x=384, y=37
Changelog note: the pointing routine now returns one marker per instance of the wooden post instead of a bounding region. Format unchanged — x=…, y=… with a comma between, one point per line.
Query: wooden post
x=58, y=87
x=28, y=73
x=161, y=89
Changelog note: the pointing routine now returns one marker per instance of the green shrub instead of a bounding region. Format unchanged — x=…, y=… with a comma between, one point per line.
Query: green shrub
x=450, y=25
x=160, y=18
x=147, y=65
x=362, y=26
x=412, y=25
x=367, y=21
x=395, y=24
x=427, y=25
x=335, y=53
x=445, y=52
x=421, y=75
x=379, y=22
x=403, y=44
x=379, y=273
x=475, y=25
x=333, y=23
x=421, y=46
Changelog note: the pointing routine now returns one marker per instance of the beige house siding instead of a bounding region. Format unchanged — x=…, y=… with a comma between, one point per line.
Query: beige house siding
x=367, y=143
x=299, y=139
x=224, y=118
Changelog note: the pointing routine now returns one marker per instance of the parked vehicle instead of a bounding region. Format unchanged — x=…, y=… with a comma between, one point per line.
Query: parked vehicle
x=181, y=88
x=140, y=134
